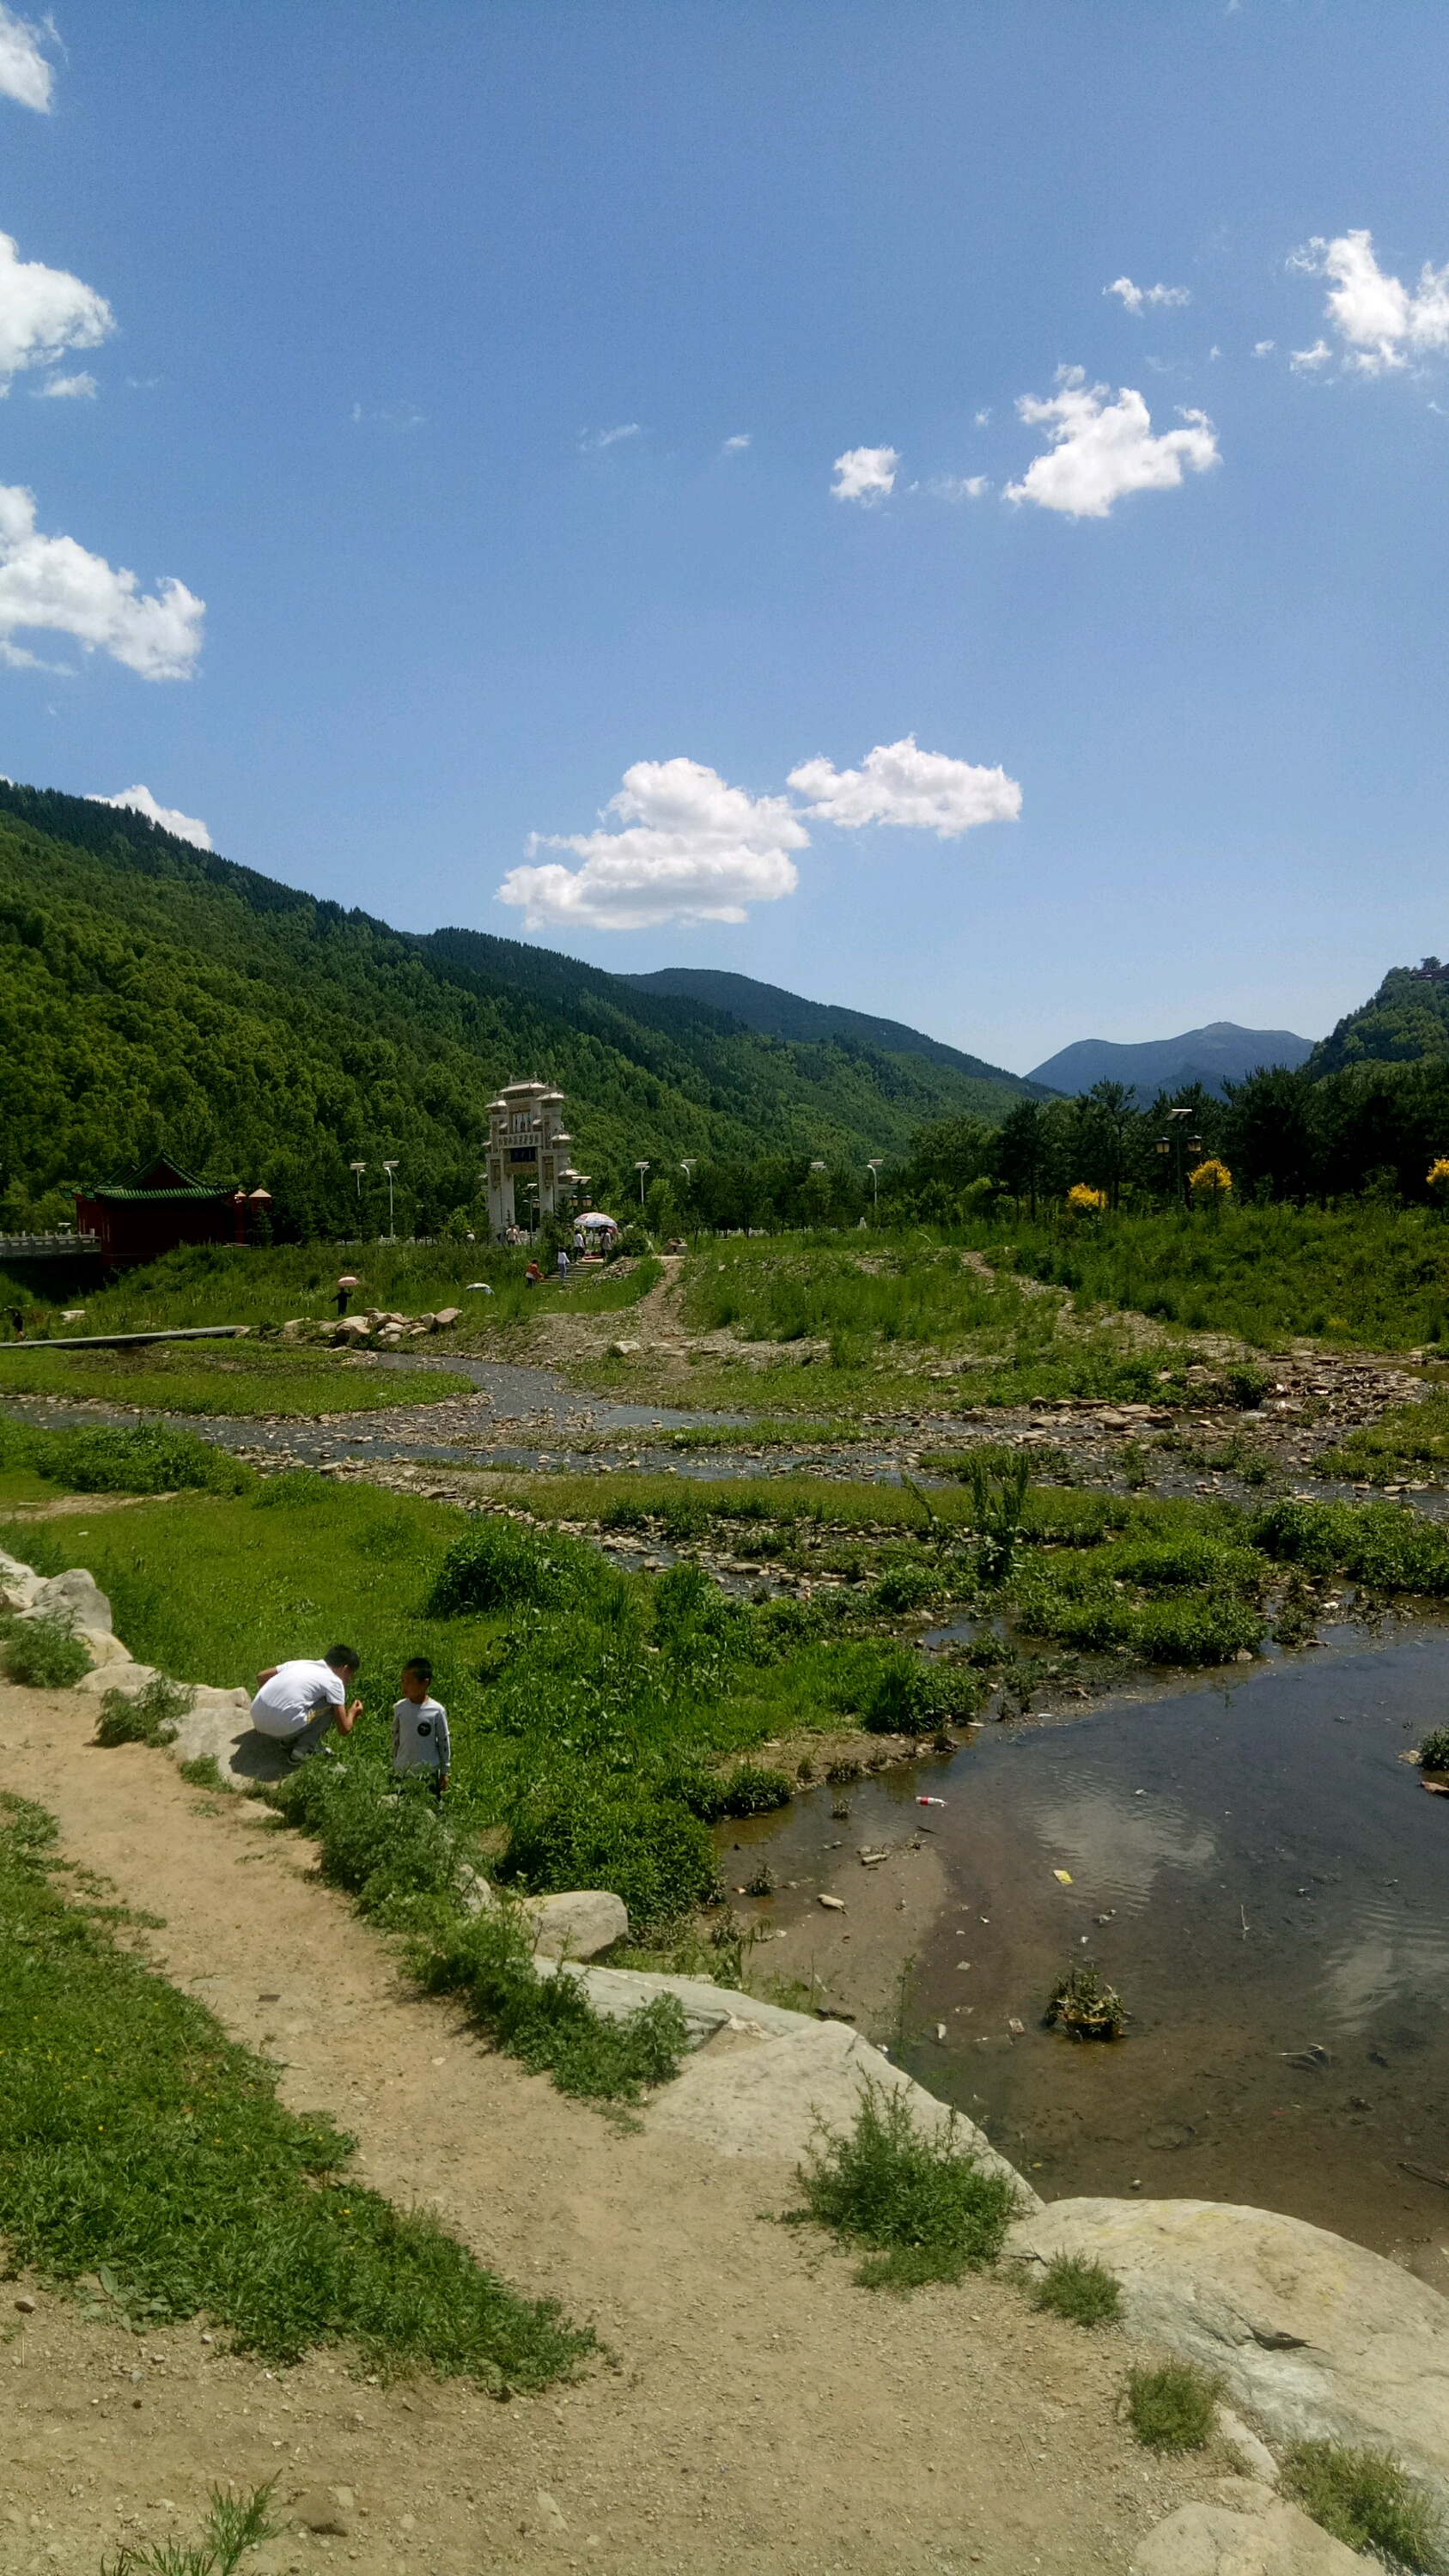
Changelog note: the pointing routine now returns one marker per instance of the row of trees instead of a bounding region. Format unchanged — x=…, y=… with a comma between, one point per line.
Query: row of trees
x=1373, y=1131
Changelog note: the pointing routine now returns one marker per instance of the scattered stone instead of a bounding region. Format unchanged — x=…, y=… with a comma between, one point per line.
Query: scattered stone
x=578, y=1925
x=318, y=2509
x=832, y=1904
x=26, y=2307
x=1272, y=2540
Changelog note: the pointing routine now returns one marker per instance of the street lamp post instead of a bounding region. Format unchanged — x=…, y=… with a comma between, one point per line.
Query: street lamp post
x=390, y=1168
x=641, y=1169
x=1175, y=1118
x=874, y=1171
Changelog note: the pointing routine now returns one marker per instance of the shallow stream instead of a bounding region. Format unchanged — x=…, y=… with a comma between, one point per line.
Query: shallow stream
x=1261, y=1875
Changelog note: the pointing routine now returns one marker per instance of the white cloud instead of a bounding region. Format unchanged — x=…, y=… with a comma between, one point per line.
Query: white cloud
x=733, y=446
x=139, y=800
x=79, y=388
x=865, y=474
x=691, y=849
x=43, y=312
x=53, y=582
x=1305, y=360
x=1384, y=322
x=1101, y=449
x=25, y=74
x=403, y=415
x=957, y=487
x=1263, y=348
x=1136, y=298
x=925, y=791
x=593, y=442
x=982, y=418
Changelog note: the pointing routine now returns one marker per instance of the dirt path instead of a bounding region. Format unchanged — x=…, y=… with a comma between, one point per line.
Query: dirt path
x=758, y=2412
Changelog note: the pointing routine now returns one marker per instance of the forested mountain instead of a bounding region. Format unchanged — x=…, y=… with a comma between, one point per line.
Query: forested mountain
x=1407, y=1022
x=1217, y=1054
x=154, y=993
x=778, y=1014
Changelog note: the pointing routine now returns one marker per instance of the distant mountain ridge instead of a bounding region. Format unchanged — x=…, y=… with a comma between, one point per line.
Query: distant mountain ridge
x=774, y=1013
x=1221, y=1052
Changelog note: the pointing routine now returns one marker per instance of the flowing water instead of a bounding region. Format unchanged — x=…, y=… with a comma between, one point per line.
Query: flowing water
x=1261, y=1875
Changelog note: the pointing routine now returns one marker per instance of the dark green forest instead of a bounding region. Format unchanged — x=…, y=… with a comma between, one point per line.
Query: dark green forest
x=153, y=994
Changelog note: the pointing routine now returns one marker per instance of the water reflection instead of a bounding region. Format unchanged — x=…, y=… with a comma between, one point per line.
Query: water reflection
x=1117, y=1840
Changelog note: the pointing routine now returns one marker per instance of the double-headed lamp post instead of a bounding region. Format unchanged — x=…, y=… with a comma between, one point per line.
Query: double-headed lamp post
x=1165, y=1144
x=874, y=1171
x=641, y=1169
x=390, y=1168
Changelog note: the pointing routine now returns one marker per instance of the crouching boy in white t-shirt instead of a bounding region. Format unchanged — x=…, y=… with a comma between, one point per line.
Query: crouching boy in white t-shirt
x=297, y=1702
x=420, y=1743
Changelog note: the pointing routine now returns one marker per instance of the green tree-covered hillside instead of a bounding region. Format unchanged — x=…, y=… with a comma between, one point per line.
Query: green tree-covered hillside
x=1406, y=1022
x=151, y=992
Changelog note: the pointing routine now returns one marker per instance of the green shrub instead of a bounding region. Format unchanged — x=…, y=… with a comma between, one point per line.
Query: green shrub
x=753, y=1789
x=295, y=1488
x=387, y=1844
x=233, y=2525
x=547, y=2022
x=925, y=2209
x=1434, y=1750
x=203, y=1773
x=46, y=1654
x=901, y=1700
x=649, y=1850
x=1365, y=2500
x=149, y=1718
x=497, y=1565
x=1075, y=2286
x=907, y=1587
x=1172, y=2408
x=107, y=1458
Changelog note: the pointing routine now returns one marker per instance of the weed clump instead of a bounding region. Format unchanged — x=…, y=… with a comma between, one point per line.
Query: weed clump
x=147, y=1459
x=650, y=1850
x=1075, y=2286
x=150, y=1717
x=547, y=2022
x=497, y=1565
x=923, y=2207
x=233, y=2524
x=1172, y=2408
x=1434, y=1751
x=1085, y=2006
x=46, y=1654
x=203, y=1773
x=1364, y=2499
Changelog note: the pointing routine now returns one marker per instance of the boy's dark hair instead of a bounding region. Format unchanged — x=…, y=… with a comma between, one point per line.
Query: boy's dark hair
x=420, y=1665
x=343, y=1659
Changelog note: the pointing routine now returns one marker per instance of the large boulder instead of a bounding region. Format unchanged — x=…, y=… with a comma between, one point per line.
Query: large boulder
x=577, y=1925
x=1315, y=2338
x=219, y=1723
x=74, y=1596
x=1257, y=2536
x=756, y=2091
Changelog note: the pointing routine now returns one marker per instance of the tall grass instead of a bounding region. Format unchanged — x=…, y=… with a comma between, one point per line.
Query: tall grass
x=234, y=1378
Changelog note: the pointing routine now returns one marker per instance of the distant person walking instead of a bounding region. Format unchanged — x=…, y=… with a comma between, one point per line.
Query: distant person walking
x=563, y=1265
x=297, y=1702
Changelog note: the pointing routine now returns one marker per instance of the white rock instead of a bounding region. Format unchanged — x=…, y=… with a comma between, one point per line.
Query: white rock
x=832, y=1904
x=1255, y=2455
x=74, y=1595
x=578, y=1925
x=755, y=2092
x=1315, y=2338
x=1213, y=2540
x=447, y=1315
x=120, y=1674
x=219, y=1723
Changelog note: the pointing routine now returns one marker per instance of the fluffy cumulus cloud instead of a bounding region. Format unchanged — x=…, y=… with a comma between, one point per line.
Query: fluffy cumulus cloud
x=926, y=791
x=1137, y=299
x=1099, y=449
x=1382, y=322
x=52, y=582
x=865, y=474
x=43, y=312
x=25, y=74
x=688, y=848
x=77, y=388
x=139, y=800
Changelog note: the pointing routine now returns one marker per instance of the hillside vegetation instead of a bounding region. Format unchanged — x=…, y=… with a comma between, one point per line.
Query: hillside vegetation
x=154, y=991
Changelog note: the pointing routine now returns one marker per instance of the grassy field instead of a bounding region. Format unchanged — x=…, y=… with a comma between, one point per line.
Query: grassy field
x=218, y=1283
x=1362, y=1276
x=228, y=1378
x=142, y=2148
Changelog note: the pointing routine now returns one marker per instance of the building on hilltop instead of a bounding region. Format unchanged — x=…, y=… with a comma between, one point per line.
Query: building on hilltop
x=528, y=1151
x=151, y=1210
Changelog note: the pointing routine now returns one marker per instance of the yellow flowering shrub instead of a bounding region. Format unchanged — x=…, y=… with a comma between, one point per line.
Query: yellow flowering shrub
x=1211, y=1181
x=1085, y=1202
x=1439, y=1179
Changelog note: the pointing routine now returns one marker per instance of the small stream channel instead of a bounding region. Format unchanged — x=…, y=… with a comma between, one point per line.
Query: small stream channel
x=1273, y=1880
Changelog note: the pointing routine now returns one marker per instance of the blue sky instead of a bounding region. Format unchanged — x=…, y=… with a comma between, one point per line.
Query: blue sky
x=540, y=397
